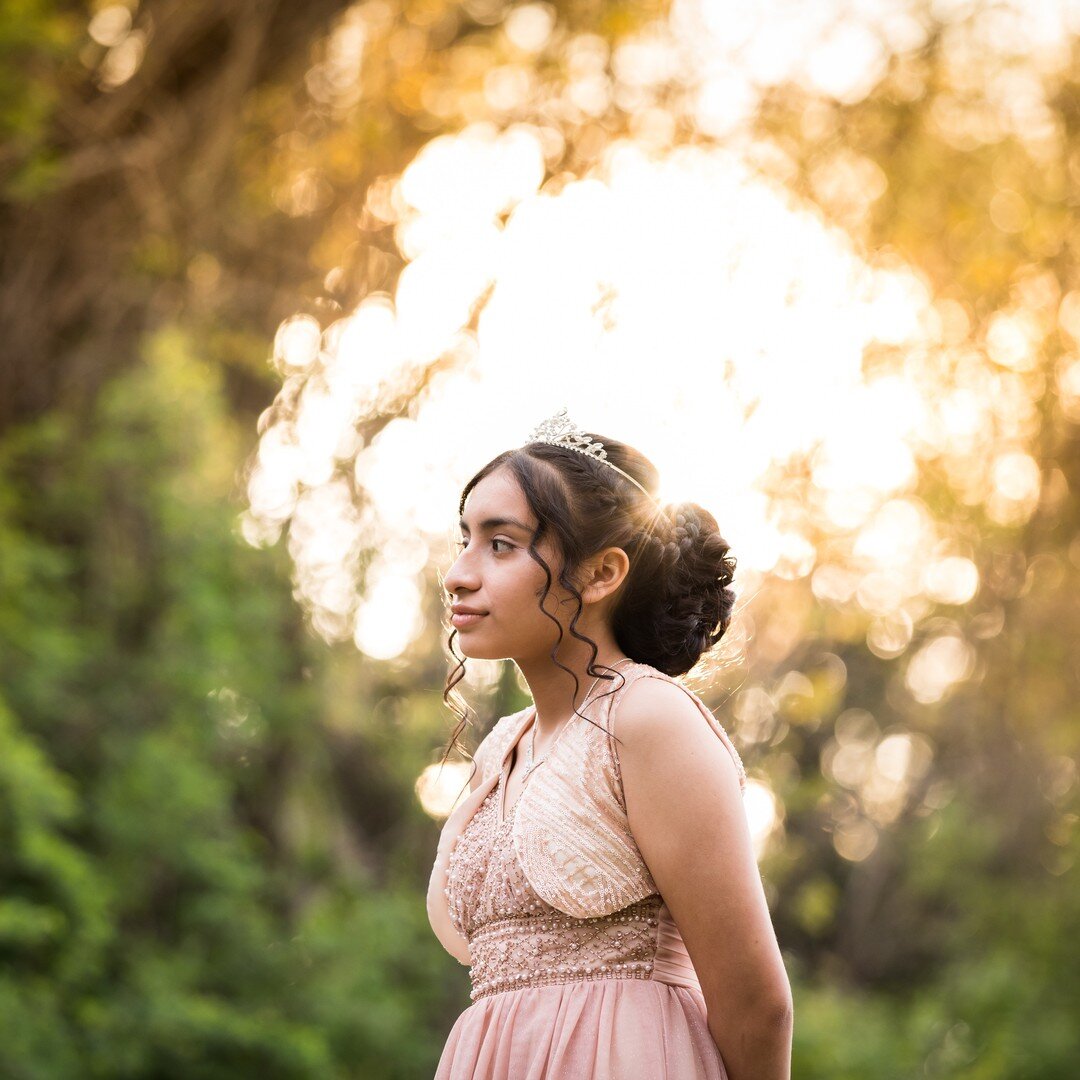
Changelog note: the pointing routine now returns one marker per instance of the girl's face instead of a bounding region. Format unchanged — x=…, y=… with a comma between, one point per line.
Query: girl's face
x=495, y=574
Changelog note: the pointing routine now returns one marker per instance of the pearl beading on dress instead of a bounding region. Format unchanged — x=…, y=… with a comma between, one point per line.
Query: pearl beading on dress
x=515, y=938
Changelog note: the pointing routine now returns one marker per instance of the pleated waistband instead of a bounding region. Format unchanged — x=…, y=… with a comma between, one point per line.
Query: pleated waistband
x=672, y=963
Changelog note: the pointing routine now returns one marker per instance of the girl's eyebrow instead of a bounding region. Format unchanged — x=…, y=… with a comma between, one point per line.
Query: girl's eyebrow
x=498, y=523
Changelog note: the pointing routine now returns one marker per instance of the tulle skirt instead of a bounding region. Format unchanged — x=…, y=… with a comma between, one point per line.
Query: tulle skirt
x=603, y=1029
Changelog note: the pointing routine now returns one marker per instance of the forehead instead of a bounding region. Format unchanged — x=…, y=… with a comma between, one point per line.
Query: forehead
x=497, y=495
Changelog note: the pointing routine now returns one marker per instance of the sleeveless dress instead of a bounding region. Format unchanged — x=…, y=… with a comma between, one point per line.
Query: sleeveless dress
x=578, y=971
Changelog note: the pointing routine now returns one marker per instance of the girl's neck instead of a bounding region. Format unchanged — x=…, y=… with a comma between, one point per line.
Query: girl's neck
x=552, y=687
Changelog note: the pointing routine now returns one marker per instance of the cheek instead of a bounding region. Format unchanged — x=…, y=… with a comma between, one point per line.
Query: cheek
x=521, y=586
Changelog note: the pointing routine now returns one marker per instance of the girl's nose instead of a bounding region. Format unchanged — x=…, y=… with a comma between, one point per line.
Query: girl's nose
x=459, y=576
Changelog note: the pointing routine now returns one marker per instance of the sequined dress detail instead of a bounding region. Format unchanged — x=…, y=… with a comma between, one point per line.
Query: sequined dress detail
x=516, y=939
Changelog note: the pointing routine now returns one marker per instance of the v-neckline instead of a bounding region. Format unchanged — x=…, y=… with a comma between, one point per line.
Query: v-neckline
x=504, y=775
x=500, y=802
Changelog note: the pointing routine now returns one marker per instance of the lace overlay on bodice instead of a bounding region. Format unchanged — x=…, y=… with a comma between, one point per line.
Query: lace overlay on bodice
x=516, y=939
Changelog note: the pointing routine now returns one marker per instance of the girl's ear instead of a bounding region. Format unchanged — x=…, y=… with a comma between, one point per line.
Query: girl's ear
x=605, y=573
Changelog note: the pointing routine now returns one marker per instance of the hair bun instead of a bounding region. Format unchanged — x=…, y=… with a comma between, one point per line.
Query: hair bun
x=680, y=603
x=685, y=525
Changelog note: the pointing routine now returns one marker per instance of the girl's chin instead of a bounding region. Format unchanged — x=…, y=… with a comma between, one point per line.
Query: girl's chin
x=473, y=648
x=477, y=651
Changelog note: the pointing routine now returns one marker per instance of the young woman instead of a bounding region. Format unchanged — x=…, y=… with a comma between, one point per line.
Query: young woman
x=600, y=878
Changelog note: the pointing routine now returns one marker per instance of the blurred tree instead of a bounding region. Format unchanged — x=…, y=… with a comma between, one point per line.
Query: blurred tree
x=165, y=161
x=179, y=893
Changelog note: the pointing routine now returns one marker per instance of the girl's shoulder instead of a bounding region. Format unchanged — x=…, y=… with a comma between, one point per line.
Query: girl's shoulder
x=647, y=671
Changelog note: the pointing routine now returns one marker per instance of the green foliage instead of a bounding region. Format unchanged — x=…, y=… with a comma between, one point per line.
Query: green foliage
x=173, y=897
x=36, y=40
x=154, y=917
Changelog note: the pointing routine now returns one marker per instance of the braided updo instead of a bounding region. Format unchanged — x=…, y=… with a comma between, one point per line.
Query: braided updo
x=677, y=600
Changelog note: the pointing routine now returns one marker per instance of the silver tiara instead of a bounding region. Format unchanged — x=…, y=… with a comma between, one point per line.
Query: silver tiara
x=560, y=430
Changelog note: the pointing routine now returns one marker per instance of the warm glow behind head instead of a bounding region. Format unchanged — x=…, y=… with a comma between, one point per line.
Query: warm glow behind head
x=679, y=298
x=747, y=358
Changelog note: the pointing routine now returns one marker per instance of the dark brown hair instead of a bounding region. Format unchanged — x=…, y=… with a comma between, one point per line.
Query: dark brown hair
x=676, y=600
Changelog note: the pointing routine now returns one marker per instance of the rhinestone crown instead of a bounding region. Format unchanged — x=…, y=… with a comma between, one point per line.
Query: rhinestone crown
x=560, y=430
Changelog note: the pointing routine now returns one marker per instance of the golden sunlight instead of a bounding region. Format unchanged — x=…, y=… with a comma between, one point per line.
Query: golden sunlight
x=773, y=297
x=524, y=294
x=764, y=815
x=795, y=384
x=442, y=788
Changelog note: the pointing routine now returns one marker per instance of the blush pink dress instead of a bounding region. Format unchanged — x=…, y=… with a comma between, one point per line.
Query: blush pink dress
x=569, y=981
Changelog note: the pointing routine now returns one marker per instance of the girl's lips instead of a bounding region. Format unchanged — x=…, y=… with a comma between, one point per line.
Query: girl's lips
x=465, y=620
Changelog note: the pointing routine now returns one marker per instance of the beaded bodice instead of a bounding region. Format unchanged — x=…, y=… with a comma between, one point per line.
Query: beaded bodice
x=516, y=939
x=564, y=858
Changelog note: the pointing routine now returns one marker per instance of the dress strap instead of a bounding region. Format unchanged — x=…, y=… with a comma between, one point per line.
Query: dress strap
x=647, y=671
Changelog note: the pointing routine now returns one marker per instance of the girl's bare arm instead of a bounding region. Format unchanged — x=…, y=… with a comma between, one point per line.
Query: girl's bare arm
x=685, y=810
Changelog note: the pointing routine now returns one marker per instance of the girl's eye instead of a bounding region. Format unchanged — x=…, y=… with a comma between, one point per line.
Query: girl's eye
x=462, y=543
